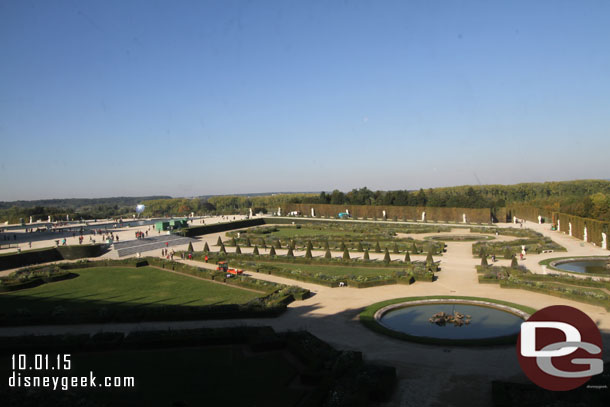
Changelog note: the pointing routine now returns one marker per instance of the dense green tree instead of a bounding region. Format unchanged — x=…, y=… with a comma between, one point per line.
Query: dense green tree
x=222, y=248
x=219, y=241
x=206, y=248
x=327, y=255
x=237, y=249
x=272, y=251
x=255, y=250
x=514, y=263
x=290, y=252
x=190, y=248
x=407, y=257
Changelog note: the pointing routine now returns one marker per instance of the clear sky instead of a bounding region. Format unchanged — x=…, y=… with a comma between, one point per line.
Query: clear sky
x=184, y=98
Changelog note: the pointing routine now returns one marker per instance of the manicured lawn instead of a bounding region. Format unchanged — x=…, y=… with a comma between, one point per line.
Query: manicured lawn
x=115, y=288
x=290, y=232
x=337, y=270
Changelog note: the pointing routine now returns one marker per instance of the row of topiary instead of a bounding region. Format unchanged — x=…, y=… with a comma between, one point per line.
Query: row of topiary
x=308, y=258
x=408, y=274
x=397, y=247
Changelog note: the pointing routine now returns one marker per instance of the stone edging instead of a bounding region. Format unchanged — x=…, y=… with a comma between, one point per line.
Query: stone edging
x=379, y=313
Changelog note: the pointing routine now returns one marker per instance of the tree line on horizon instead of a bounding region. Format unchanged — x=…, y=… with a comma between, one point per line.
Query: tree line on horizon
x=585, y=198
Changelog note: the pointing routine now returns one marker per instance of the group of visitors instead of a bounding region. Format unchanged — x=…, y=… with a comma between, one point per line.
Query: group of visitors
x=141, y=235
x=167, y=254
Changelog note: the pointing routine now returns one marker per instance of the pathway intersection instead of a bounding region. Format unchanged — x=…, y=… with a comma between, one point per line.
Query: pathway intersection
x=428, y=375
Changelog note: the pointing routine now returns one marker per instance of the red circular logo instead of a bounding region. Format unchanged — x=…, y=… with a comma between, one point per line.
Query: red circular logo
x=560, y=348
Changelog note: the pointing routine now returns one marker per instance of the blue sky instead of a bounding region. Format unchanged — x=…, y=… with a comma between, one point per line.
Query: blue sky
x=184, y=98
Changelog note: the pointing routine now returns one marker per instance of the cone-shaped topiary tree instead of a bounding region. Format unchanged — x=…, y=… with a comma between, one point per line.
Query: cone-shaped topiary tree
x=308, y=253
x=407, y=257
x=309, y=245
x=327, y=255
x=206, y=248
x=190, y=248
x=359, y=247
x=346, y=254
x=414, y=248
x=386, y=256
x=248, y=243
x=429, y=259
x=484, y=261
x=292, y=245
x=396, y=248
x=290, y=253
x=255, y=251
x=272, y=251
x=222, y=248
x=278, y=243
x=366, y=254
x=237, y=249
x=219, y=241
x=514, y=263
x=377, y=247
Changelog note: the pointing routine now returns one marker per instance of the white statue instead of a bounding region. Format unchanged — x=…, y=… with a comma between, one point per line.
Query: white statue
x=279, y=211
x=423, y=216
x=585, y=235
x=539, y=220
x=384, y=215
x=464, y=217
x=313, y=213
x=570, y=228
x=604, y=241
x=250, y=211
x=558, y=225
x=514, y=219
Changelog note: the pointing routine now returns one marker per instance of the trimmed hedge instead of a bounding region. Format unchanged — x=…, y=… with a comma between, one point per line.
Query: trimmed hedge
x=403, y=212
x=220, y=227
x=39, y=256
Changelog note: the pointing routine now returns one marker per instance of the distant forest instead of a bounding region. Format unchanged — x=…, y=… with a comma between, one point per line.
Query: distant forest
x=585, y=198
x=76, y=208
